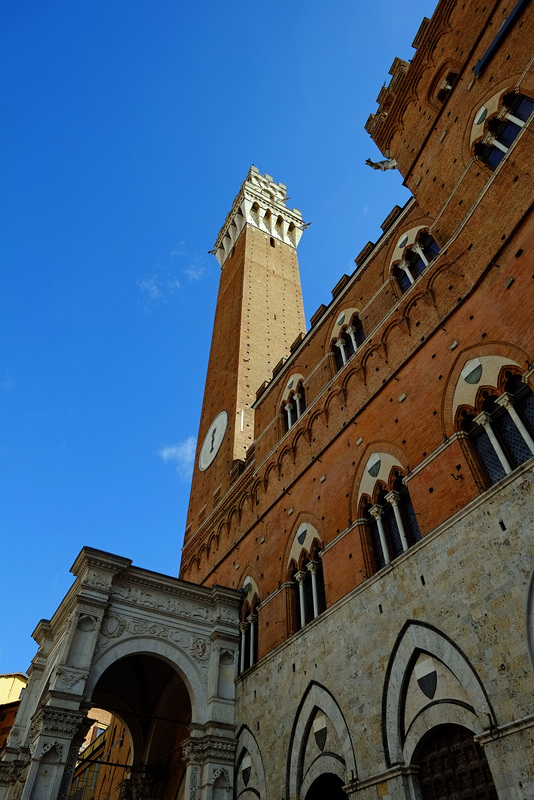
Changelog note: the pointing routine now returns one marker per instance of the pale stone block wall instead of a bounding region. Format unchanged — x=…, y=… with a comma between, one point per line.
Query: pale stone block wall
x=472, y=609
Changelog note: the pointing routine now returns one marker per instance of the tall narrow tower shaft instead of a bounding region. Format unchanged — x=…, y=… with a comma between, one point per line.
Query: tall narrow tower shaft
x=259, y=314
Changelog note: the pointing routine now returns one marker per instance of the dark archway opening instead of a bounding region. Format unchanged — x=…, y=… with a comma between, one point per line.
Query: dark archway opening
x=452, y=766
x=151, y=707
x=326, y=786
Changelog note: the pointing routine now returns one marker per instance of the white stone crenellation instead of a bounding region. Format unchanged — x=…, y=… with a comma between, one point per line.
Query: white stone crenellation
x=262, y=203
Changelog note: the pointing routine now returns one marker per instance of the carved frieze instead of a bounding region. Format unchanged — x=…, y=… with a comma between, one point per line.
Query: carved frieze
x=70, y=678
x=12, y=772
x=209, y=749
x=55, y=723
x=162, y=602
x=115, y=627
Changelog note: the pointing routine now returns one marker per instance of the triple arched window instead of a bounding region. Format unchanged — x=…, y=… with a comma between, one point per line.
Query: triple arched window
x=294, y=406
x=502, y=129
x=415, y=260
x=500, y=426
x=348, y=341
x=308, y=586
x=390, y=519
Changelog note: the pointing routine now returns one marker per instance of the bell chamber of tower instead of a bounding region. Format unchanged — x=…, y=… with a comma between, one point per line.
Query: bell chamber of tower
x=259, y=315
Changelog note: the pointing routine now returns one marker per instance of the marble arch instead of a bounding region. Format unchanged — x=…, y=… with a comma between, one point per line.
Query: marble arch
x=422, y=654
x=309, y=754
x=185, y=637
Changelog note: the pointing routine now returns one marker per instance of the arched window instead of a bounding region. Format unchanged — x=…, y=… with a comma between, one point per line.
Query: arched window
x=500, y=426
x=390, y=519
x=309, y=592
x=502, y=130
x=350, y=338
x=248, y=627
x=294, y=406
x=415, y=260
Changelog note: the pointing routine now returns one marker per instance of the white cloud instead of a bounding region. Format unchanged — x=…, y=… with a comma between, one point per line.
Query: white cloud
x=194, y=273
x=157, y=287
x=156, y=290
x=182, y=454
x=178, y=251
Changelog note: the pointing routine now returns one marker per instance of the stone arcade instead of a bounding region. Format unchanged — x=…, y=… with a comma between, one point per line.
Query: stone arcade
x=159, y=652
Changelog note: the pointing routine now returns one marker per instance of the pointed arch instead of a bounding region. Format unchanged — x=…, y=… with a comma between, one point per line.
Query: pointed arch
x=333, y=395
x=506, y=352
x=287, y=451
x=302, y=767
x=313, y=419
x=302, y=433
x=267, y=474
x=244, y=499
x=255, y=491
x=476, y=713
x=249, y=760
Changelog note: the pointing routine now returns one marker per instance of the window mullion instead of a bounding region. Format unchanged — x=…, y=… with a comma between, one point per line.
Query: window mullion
x=506, y=401
x=484, y=420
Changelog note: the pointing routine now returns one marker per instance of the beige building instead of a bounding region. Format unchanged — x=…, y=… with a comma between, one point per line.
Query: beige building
x=12, y=685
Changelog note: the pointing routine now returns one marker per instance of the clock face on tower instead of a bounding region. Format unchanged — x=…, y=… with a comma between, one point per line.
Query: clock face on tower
x=212, y=440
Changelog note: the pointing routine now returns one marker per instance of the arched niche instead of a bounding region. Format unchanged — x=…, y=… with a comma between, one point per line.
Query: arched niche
x=320, y=743
x=429, y=681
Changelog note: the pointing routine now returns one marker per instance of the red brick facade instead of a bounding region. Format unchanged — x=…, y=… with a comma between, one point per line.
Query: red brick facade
x=395, y=394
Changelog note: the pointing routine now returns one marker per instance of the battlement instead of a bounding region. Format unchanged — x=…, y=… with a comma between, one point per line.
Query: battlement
x=262, y=203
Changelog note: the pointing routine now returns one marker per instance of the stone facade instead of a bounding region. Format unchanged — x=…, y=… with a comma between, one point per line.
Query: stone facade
x=355, y=664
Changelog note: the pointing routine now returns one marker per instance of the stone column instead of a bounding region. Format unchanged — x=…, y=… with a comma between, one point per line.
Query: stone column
x=393, y=499
x=351, y=331
x=376, y=511
x=210, y=765
x=312, y=569
x=340, y=344
x=485, y=420
x=288, y=408
x=251, y=619
x=298, y=398
x=419, y=250
x=300, y=575
x=506, y=400
x=404, y=266
x=55, y=737
x=243, y=630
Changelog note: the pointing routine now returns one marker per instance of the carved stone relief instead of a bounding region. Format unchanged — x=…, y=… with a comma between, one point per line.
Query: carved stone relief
x=171, y=605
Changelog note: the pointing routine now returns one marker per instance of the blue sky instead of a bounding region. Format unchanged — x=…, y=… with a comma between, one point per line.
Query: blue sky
x=127, y=129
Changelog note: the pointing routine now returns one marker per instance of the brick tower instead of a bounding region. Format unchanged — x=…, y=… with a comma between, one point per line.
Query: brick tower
x=259, y=315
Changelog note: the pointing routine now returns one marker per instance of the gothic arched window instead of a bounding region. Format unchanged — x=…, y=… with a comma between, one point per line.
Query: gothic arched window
x=350, y=338
x=307, y=577
x=294, y=406
x=415, y=260
x=502, y=130
x=390, y=520
x=500, y=426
